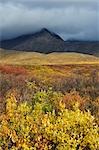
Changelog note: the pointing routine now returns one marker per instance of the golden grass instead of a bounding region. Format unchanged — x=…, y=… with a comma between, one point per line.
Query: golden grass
x=34, y=58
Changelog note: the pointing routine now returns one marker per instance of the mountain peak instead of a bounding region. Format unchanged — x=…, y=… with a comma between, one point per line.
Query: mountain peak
x=47, y=41
x=45, y=30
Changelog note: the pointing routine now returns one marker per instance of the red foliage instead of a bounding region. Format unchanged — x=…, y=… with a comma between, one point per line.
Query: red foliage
x=16, y=70
x=71, y=98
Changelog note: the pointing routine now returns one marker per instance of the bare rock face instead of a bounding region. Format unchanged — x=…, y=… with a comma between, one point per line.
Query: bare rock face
x=45, y=41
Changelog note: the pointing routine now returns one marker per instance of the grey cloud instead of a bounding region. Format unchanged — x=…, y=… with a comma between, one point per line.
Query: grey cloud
x=71, y=19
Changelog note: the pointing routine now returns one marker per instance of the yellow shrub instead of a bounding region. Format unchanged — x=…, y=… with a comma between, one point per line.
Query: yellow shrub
x=29, y=127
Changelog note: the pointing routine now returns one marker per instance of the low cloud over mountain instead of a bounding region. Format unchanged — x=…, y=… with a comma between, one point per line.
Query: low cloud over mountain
x=45, y=41
x=68, y=18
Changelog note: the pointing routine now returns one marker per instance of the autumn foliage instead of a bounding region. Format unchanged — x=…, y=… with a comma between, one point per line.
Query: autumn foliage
x=12, y=69
x=49, y=107
x=38, y=126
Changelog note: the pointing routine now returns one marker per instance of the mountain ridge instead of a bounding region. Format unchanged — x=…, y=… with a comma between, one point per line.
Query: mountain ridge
x=45, y=41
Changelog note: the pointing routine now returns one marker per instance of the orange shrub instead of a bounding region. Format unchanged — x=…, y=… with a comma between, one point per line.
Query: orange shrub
x=8, y=69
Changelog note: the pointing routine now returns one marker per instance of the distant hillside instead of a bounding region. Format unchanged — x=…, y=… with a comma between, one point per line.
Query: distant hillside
x=85, y=47
x=45, y=41
x=34, y=58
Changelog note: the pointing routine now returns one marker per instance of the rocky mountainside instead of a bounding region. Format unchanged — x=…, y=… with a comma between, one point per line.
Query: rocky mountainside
x=45, y=41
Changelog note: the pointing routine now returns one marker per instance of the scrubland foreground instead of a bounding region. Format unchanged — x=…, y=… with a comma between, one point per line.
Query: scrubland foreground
x=52, y=107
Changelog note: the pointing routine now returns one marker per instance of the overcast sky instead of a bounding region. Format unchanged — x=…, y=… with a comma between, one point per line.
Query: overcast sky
x=71, y=19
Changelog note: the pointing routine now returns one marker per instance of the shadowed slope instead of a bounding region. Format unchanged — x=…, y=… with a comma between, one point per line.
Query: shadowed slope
x=45, y=41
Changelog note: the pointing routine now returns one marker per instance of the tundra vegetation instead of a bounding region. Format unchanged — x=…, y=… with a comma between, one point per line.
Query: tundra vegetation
x=52, y=107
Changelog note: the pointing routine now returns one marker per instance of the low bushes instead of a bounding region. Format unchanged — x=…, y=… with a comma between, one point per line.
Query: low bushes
x=45, y=123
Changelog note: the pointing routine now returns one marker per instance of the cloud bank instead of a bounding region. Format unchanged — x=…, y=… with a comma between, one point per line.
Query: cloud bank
x=70, y=19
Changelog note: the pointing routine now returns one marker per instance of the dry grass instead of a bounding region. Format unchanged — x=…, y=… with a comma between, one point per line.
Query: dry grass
x=33, y=58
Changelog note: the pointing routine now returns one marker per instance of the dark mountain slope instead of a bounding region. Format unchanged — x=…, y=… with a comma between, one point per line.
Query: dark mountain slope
x=86, y=47
x=45, y=41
